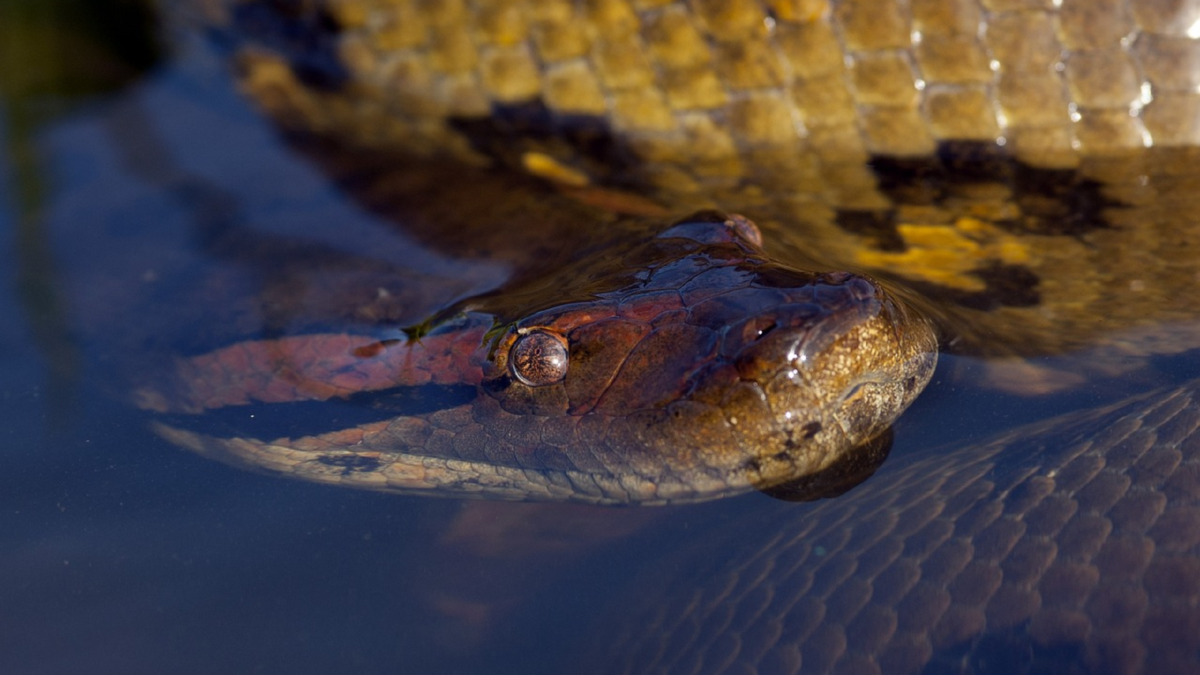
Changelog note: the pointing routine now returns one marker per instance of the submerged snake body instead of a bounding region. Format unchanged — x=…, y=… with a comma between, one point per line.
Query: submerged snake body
x=1070, y=546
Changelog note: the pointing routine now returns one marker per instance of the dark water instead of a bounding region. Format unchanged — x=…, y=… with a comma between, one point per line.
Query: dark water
x=120, y=553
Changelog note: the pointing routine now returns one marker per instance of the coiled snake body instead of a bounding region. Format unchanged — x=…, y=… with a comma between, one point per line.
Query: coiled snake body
x=1028, y=168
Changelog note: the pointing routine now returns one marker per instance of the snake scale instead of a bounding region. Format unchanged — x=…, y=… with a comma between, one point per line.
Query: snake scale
x=1010, y=161
x=1071, y=546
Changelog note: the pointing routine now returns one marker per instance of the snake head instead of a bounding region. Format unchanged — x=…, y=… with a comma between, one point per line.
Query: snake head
x=717, y=369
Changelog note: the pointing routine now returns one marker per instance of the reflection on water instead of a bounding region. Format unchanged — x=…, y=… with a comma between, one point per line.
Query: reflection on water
x=123, y=554
x=56, y=55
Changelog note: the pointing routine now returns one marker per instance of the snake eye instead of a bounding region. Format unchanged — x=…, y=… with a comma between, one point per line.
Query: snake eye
x=538, y=358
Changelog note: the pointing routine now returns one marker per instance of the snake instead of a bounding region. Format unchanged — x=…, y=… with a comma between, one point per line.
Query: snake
x=1007, y=163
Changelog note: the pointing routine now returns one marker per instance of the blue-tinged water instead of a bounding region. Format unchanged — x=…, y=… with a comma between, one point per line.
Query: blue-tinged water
x=120, y=553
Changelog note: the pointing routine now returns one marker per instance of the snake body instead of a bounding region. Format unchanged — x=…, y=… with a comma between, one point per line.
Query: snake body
x=1010, y=160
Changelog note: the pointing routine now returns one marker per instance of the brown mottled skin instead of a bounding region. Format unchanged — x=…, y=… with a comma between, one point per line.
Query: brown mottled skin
x=1010, y=161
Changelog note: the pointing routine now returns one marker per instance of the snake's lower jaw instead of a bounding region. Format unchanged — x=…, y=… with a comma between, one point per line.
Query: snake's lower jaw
x=850, y=470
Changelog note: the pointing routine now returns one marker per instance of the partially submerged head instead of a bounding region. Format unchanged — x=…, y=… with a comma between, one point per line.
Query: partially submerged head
x=716, y=369
x=670, y=367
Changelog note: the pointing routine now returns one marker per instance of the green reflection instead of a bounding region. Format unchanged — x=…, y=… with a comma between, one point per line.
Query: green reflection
x=54, y=55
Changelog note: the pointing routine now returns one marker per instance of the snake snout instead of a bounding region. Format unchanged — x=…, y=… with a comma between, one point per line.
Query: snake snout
x=794, y=336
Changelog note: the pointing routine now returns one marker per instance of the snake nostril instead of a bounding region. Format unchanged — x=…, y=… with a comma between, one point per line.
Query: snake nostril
x=862, y=289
